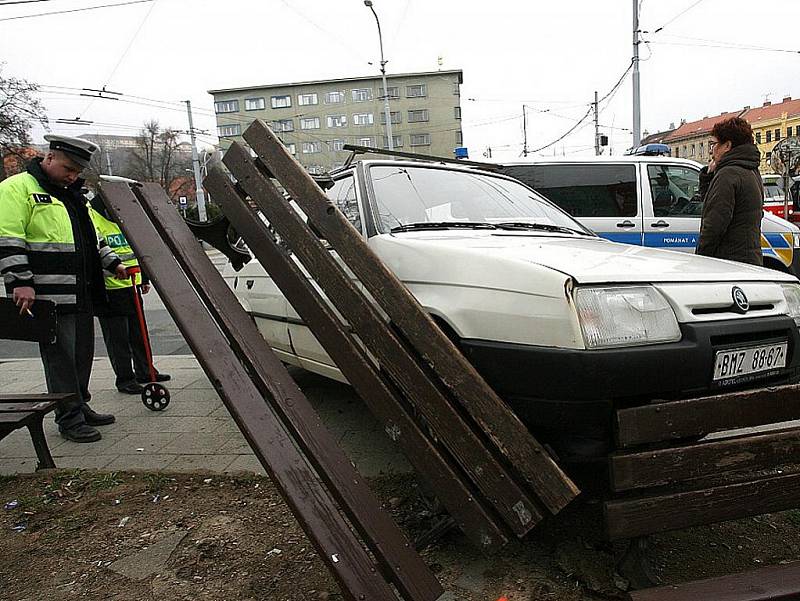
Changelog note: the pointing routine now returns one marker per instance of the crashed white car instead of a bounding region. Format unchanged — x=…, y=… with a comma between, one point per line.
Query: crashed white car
x=563, y=324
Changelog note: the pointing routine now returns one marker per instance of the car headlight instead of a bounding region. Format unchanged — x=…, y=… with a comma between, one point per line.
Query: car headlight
x=791, y=292
x=625, y=316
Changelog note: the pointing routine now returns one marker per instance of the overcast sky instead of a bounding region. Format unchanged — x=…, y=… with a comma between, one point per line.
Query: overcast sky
x=718, y=55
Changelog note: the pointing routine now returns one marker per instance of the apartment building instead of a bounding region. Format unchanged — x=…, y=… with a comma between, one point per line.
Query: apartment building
x=315, y=119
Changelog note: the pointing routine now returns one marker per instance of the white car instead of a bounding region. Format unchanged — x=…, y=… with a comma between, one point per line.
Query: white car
x=563, y=324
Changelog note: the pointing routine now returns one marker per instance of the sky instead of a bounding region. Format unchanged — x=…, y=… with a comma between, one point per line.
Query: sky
x=700, y=58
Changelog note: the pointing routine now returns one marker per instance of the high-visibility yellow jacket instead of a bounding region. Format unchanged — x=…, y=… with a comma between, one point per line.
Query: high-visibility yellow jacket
x=48, y=242
x=110, y=233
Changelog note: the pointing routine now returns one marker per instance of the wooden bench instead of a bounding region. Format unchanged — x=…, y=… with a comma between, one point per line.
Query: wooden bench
x=28, y=411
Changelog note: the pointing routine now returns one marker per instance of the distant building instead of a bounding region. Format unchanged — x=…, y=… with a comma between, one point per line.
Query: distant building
x=771, y=123
x=111, y=142
x=690, y=140
x=315, y=119
x=658, y=137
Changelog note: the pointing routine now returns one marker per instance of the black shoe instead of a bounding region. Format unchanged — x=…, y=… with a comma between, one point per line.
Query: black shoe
x=93, y=418
x=159, y=378
x=132, y=388
x=81, y=433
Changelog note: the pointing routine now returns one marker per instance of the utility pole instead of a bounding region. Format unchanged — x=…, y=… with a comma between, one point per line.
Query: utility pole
x=596, y=127
x=198, y=184
x=637, y=123
x=524, y=132
x=108, y=162
x=387, y=113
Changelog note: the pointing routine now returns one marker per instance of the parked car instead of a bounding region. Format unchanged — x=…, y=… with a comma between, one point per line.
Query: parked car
x=565, y=325
x=644, y=200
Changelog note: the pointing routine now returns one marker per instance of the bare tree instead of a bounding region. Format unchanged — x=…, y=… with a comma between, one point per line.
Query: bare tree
x=19, y=108
x=158, y=156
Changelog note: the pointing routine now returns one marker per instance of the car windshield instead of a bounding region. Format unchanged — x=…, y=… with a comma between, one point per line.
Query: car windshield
x=412, y=197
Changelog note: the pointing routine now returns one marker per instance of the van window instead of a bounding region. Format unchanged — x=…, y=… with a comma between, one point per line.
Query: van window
x=675, y=191
x=343, y=194
x=583, y=190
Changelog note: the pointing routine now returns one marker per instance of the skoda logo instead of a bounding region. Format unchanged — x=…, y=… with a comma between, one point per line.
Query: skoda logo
x=740, y=300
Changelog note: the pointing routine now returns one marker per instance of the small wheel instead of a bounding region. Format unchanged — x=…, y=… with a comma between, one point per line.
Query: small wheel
x=155, y=396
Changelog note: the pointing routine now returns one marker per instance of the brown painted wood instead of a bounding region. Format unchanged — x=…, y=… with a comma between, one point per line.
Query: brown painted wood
x=517, y=508
x=507, y=433
x=401, y=563
x=33, y=397
x=712, y=458
x=314, y=507
x=772, y=583
x=629, y=518
x=694, y=417
x=382, y=398
x=40, y=406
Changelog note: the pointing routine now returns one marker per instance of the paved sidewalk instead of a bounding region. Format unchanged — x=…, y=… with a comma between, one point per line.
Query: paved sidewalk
x=194, y=433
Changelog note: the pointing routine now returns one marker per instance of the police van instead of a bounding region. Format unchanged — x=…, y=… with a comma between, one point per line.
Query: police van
x=644, y=200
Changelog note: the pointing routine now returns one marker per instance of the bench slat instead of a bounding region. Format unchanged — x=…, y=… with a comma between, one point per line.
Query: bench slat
x=48, y=396
x=40, y=406
x=19, y=417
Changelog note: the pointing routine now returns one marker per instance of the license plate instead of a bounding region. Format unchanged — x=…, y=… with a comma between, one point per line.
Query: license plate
x=733, y=363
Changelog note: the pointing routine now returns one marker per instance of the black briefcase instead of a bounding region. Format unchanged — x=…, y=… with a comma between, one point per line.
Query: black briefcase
x=40, y=327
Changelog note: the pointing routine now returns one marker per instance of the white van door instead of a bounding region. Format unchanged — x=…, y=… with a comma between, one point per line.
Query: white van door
x=672, y=206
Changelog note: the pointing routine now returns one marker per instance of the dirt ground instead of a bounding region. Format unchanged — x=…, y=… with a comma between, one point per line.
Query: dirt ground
x=154, y=536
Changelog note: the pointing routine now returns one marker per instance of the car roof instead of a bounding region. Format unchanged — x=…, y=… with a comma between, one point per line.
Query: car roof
x=599, y=160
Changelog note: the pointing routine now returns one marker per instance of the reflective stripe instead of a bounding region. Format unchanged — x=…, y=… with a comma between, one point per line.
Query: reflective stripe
x=59, y=299
x=126, y=257
x=20, y=275
x=61, y=247
x=7, y=262
x=105, y=251
x=55, y=279
x=11, y=241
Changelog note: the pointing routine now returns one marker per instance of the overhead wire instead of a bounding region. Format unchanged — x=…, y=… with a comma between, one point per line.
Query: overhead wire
x=74, y=10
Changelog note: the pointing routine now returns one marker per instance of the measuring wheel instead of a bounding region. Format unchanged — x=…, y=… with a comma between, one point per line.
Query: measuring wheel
x=155, y=396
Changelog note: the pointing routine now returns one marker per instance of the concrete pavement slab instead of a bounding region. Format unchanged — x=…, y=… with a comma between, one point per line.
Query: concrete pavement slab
x=141, y=461
x=201, y=463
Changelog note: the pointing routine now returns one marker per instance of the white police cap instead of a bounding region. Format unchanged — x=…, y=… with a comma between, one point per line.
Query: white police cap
x=78, y=149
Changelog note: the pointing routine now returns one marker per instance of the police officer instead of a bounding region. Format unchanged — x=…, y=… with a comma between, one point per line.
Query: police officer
x=49, y=251
x=119, y=321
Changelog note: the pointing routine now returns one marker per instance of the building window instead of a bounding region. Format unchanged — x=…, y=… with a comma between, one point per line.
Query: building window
x=364, y=141
x=291, y=147
x=362, y=119
x=788, y=131
x=418, y=91
x=397, y=141
x=418, y=116
x=777, y=134
x=362, y=94
x=395, y=116
x=420, y=139
x=758, y=137
x=336, y=144
x=459, y=138
x=392, y=92
x=334, y=97
x=226, y=131
x=457, y=112
x=315, y=169
x=337, y=120
x=226, y=106
x=306, y=99
x=255, y=104
x=281, y=102
x=702, y=149
x=311, y=147
x=685, y=153
x=691, y=150
x=309, y=123
x=456, y=89
x=769, y=135
x=282, y=125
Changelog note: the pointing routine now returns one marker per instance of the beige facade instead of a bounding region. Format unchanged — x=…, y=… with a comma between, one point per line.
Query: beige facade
x=316, y=118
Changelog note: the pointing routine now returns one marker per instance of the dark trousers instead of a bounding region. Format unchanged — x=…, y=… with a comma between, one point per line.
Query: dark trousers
x=68, y=365
x=123, y=337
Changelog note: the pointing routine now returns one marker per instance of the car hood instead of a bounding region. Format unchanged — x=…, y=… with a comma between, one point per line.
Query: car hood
x=586, y=260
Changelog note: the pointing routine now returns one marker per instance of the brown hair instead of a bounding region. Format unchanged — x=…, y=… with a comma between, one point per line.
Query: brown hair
x=735, y=130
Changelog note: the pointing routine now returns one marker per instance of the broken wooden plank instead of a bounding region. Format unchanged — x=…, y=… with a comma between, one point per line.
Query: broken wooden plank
x=713, y=458
x=382, y=398
x=772, y=583
x=518, y=510
x=314, y=507
x=402, y=564
x=629, y=518
x=673, y=420
x=507, y=433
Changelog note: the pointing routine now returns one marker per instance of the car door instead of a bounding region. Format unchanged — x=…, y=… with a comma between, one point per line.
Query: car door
x=672, y=206
x=310, y=352
x=602, y=196
x=266, y=303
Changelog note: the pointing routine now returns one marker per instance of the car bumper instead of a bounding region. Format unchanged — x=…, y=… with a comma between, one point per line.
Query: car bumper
x=569, y=390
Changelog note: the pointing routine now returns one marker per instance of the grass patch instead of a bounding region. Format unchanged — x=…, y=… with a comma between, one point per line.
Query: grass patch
x=105, y=481
x=156, y=482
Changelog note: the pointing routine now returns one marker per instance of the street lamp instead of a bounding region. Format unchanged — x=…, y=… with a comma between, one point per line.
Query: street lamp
x=386, y=112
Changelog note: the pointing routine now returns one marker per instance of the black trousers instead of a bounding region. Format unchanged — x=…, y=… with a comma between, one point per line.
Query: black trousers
x=68, y=365
x=123, y=337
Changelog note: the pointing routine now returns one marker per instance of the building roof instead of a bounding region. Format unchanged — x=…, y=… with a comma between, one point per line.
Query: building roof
x=768, y=111
x=698, y=128
x=459, y=72
x=656, y=138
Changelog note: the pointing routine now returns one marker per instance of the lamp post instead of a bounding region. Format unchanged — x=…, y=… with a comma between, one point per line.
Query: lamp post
x=386, y=112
